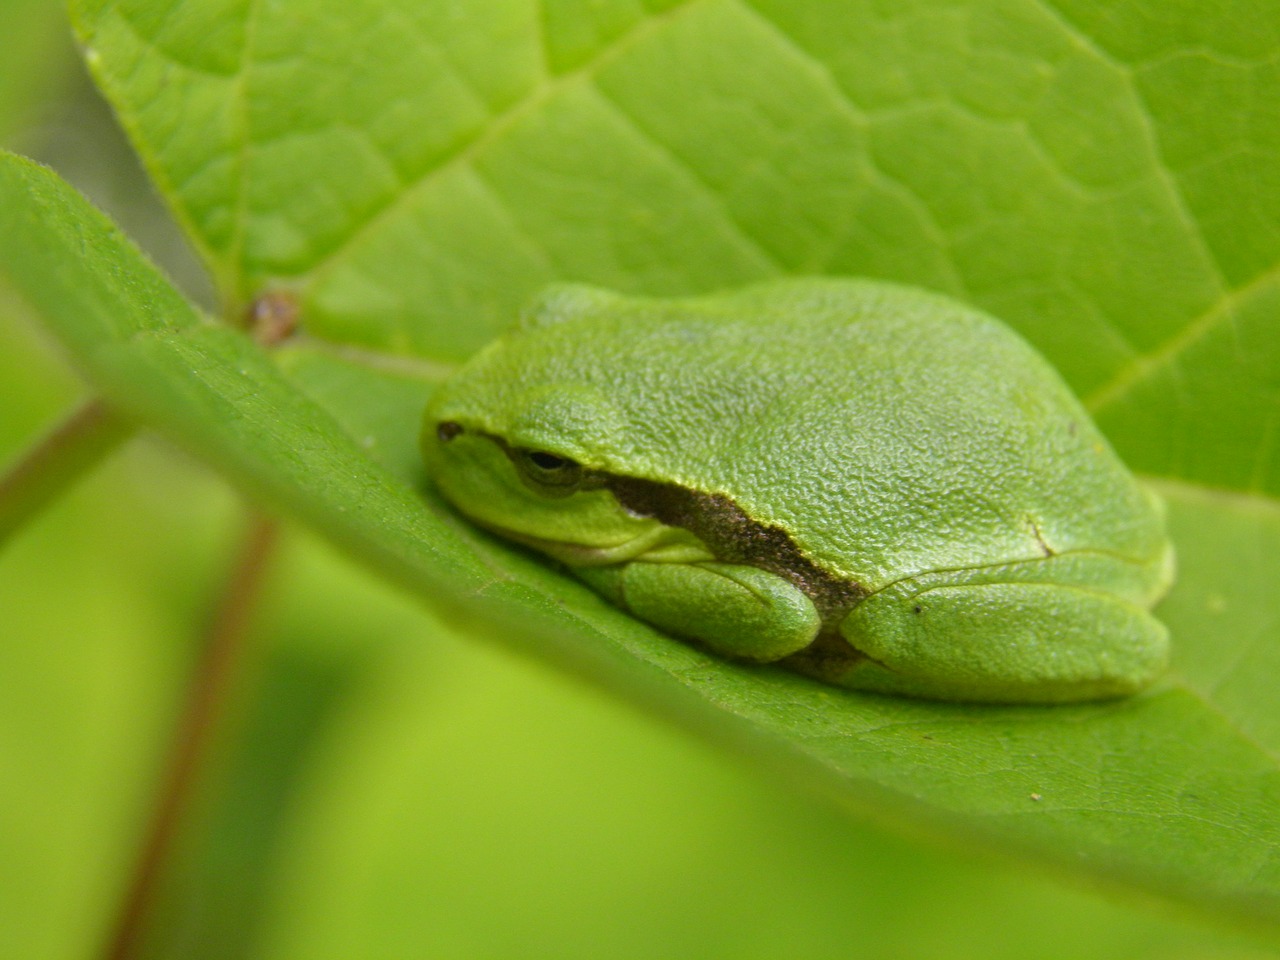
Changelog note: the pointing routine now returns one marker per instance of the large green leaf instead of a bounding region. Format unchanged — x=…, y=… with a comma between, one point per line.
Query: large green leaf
x=1098, y=175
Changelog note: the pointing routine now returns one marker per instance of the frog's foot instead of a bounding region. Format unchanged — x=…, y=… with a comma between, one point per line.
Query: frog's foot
x=1009, y=642
x=736, y=611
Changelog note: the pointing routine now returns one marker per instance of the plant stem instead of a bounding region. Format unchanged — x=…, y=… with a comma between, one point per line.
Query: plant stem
x=57, y=460
x=215, y=674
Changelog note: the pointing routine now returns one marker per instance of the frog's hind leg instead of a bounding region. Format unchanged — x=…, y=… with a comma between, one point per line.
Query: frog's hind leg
x=1008, y=642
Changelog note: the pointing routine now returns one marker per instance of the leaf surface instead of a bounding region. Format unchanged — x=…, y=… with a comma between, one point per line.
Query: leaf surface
x=1100, y=176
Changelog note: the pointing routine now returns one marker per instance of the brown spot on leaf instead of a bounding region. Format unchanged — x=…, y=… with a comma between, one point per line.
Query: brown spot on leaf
x=273, y=316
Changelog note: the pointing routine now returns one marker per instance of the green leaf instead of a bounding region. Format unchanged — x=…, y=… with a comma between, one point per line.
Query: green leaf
x=1101, y=176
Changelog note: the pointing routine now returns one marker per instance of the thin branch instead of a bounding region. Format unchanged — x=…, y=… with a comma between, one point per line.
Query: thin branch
x=215, y=675
x=57, y=460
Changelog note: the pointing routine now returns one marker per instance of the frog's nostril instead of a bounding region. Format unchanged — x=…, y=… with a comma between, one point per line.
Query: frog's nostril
x=448, y=430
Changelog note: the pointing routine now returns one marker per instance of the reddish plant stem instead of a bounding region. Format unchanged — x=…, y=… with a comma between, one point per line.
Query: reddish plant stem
x=216, y=672
x=57, y=460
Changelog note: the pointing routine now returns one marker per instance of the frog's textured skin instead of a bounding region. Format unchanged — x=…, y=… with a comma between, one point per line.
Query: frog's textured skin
x=956, y=523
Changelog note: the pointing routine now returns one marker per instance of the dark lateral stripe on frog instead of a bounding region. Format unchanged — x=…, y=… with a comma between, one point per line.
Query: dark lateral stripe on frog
x=735, y=538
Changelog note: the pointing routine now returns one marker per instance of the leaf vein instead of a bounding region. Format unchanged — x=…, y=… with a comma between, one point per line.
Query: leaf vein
x=708, y=189
x=1168, y=352
x=240, y=207
x=1165, y=172
x=502, y=123
x=856, y=114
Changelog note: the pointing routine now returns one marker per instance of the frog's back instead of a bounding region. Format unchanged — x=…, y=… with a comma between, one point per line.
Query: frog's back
x=887, y=430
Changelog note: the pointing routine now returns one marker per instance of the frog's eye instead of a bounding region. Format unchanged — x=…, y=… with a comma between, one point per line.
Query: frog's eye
x=543, y=470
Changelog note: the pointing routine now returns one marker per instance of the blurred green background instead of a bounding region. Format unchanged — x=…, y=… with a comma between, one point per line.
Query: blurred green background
x=382, y=788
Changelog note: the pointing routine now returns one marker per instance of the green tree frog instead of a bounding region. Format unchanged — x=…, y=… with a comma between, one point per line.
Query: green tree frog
x=876, y=485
